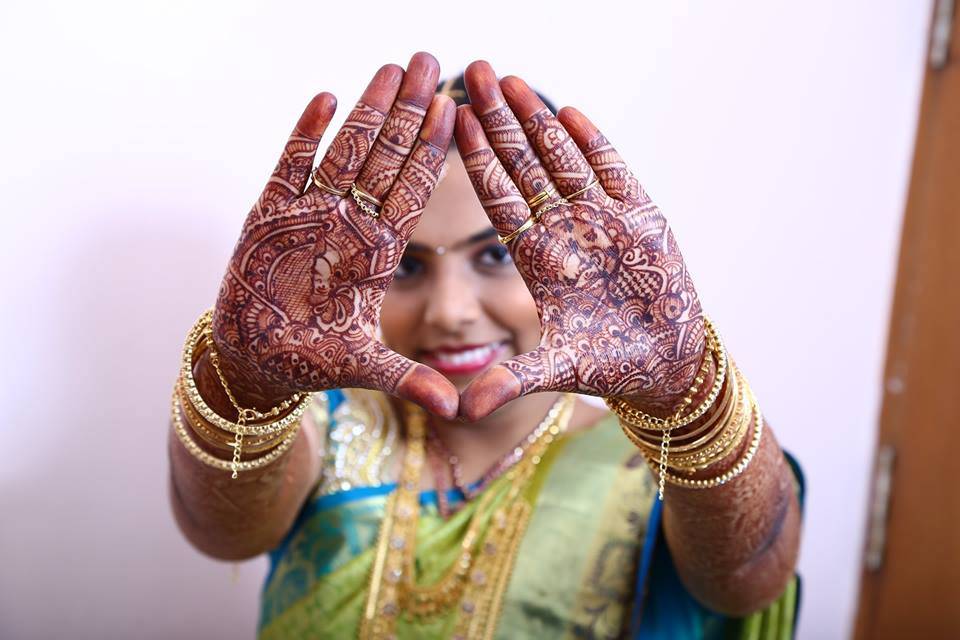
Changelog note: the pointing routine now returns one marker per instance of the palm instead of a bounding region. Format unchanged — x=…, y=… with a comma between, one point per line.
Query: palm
x=619, y=313
x=299, y=306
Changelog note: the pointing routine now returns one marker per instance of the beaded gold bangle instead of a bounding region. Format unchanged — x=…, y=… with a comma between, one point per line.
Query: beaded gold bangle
x=740, y=467
x=225, y=465
x=190, y=350
x=217, y=437
x=641, y=420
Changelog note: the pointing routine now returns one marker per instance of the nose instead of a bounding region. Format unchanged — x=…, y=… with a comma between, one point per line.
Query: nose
x=452, y=306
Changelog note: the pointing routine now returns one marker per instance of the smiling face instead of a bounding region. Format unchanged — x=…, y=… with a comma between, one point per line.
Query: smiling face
x=457, y=303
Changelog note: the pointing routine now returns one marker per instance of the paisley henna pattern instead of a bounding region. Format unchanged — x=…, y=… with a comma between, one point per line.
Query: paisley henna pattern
x=299, y=306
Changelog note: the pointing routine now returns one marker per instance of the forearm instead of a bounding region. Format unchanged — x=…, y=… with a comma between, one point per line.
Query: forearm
x=234, y=519
x=735, y=546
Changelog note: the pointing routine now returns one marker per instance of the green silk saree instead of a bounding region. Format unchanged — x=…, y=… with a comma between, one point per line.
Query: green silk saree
x=593, y=562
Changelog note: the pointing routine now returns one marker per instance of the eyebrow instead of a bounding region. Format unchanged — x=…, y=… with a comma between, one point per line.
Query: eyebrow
x=480, y=236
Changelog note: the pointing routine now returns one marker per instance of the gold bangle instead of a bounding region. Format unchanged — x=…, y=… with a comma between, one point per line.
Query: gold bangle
x=217, y=437
x=193, y=394
x=225, y=465
x=729, y=440
x=638, y=419
x=715, y=425
x=709, y=483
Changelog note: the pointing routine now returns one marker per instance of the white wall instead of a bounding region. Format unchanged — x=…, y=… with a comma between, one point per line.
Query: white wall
x=776, y=136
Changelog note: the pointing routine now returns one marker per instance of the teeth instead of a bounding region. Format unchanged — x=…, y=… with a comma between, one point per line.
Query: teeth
x=473, y=356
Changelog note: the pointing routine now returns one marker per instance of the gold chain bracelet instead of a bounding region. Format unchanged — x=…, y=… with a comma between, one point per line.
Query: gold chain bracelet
x=631, y=418
x=218, y=463
x=704, y=433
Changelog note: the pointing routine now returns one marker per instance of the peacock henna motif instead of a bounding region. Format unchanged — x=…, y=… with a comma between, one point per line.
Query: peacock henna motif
x=618, y=310
x=298, y=309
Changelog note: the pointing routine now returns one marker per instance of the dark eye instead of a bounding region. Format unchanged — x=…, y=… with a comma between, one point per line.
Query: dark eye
x=408, y=268
x=494, y=255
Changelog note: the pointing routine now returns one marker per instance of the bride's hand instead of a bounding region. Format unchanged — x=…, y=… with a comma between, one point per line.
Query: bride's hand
x=299, y=307
x=619, y=314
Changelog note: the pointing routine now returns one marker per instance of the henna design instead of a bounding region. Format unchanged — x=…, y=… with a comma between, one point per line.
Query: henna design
x=619, y=313
x=350, y=147
x=510, y=144
x=558, y=152
x=299, y=306
x=500, y=198
x=393, y=146
x=408, y=197
x=617, y=179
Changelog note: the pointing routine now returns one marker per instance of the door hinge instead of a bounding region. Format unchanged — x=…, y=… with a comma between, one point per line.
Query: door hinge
x=940, y=33
x=879, y=508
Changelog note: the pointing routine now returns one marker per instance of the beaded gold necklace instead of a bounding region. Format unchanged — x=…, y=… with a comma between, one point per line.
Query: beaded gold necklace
x=479, y=576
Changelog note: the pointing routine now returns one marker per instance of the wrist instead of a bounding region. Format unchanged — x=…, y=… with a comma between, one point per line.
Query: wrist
x=246, y=382
x=667, y=405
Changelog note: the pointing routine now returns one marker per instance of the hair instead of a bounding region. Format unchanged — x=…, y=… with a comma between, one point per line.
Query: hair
x=456, y=89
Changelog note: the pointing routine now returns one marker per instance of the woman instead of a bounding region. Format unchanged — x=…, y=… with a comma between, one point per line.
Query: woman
x=459, y=488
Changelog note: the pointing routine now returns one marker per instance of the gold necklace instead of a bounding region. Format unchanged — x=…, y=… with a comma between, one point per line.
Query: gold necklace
x=478, y=577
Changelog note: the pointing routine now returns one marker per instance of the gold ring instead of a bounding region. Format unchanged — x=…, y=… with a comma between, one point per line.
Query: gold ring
x=360, y=193
x=584, y=190
x=549, y=206
x=323, y=186
x=532, y=220
x=358, y=197
x=541, y=197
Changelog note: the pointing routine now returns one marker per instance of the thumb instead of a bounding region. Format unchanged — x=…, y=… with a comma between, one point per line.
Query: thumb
x=531, y=372
x=392, y=373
